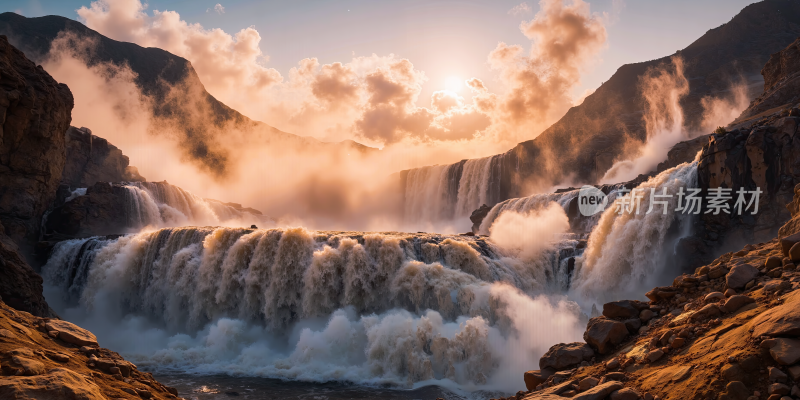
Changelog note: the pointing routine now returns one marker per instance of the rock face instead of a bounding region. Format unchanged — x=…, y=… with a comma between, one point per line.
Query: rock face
x=781, y=82
x=56, y=384
x=20, y=285
x=34, y=115
x=101, y=211
x=71, y=333
x=92, y=159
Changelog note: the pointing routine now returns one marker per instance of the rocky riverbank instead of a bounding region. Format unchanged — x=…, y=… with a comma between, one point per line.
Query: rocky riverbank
x=43, y=358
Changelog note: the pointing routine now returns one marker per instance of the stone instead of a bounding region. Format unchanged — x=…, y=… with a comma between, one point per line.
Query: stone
x=623, y=309
x=532, y=378
x=566, y=355
x=678, y=343
x=783, y=320
x=646, y=315
x=776, y=285
x=736, y=390
x=614, y=376
x=734, y=303
x=599, y=392
x=29, y=366
x=613, y=363
x=794, y=372
x=702, y=271
x=776, y=375
x=778, y=388
x=794, y=253
x=732, y=372
x=633, y=325
x=57, y=356
x=729, y=292
x=773, y=262
x=740, y=274
x=662, y=293
x=655, y=355
x=104, y=364
x=717, y=271
x=604, y=334
x=707, y=312
x=664, y=339
x=795, y=391
x=625, y=394
x=58, y=383
x=714, y=297
x=785, y=351
x=72, y=333
x=587, y=383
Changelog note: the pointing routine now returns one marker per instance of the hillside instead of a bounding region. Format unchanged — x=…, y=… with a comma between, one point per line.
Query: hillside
x=159, y=74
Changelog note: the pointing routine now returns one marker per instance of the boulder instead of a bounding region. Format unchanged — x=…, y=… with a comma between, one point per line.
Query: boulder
x=662, y=293
x=773, y=262
x=72, y=333
x=794, y=253
x=633, y=325
x=776, y=285
x=646, y=315
x=532, y=378
x=783, y=320
x=740, y=274
x=588, y=383
x=59, y=383
x=734, y=303
x=776, y=375
x=778, y=388
x=604, y=334
x=477, y=217
x=788, y=242
x=623, y=309
x=709, y=311
x=599, y=392
x=717, y=271
x=566, y=355
x=29, y=367
x=714, y=297
x=625, y=394
x=655, y=355
x=785, y=351
x=735, y=390
x=20, y=285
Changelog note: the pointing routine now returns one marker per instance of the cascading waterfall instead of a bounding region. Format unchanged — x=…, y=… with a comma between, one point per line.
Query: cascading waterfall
x=291, y=303
x=159, y=204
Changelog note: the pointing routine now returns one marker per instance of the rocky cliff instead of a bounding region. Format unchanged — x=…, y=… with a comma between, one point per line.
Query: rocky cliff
x=44, y=358
x=92, y=159
x=34, y=115
x=20, y=285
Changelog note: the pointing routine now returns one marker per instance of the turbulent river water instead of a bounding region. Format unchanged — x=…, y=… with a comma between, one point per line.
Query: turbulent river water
x=313, y=314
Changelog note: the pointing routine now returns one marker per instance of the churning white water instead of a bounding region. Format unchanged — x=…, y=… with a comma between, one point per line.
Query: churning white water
x=371, y=308
x=159, y=204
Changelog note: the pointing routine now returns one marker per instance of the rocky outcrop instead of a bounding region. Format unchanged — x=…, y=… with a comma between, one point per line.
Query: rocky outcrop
x=20, y=285
x=34, y=115
x=781, y=83
x=43, y=358
x=101, y=211
x=92, y=159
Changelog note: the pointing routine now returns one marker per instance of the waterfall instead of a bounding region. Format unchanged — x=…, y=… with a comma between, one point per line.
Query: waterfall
x=447, y=193
x=525, y=205
x=159, y=204
x=292, y=303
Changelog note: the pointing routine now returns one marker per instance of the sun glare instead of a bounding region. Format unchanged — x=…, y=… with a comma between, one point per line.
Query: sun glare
x=454, y=84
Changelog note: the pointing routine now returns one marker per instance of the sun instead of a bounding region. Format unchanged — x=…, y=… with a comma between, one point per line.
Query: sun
x=454, y=84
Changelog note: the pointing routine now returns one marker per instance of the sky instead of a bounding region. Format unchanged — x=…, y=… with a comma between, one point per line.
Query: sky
x=445, y=39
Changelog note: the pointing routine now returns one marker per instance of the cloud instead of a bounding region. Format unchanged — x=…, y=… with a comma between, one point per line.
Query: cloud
x=219, y=9
x=519, y=9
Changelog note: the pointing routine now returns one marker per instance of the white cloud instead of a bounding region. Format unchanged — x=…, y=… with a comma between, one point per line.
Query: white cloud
x=519, y=9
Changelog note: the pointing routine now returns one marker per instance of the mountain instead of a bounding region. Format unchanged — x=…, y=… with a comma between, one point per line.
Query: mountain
x=589, y=138
x=159, y=74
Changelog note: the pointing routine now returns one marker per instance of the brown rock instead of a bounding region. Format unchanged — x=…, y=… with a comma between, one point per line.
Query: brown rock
x=714, y=297
x=776, y=285
x=783, y=320
x=709, y=311
x=734, y=303
x=794, y=372
x=794, y=253
x=623, y=309
x=625, y=394
x=59, y=383
x=604, y=334
x=655, y=355
x=736, y=390
x=646, y=315
x=29, y=366
x=678, y=343
x=776, y=375
x=788, y=242
x=534, y=378
x=565, y=355
x=72, y=333
x=740, y=274
x=732, y=372
x=599, y=392
x=730, y=292
x=717, y=271
x=588, y=383
x=785, y=351
x=773, y=262
x=778, y=388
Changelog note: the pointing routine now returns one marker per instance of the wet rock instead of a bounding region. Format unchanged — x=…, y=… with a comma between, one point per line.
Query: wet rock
x=785, y=351
x=740, y=274
x=72, y=333
x=565, y=355
x=599, y=392
x=537, y=377
x=734, y=303
x=59, y=383
x=604, y=334
x=477, y=217
x=625, y=394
